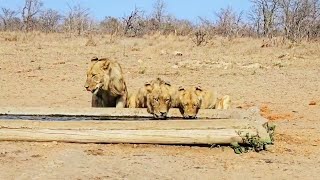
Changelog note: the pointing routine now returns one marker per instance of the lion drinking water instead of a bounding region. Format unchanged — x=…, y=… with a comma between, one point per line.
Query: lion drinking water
x=190, y=100
x=157, y=96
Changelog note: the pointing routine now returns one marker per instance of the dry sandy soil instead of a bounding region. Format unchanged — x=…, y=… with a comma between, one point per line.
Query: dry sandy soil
x=49, y=71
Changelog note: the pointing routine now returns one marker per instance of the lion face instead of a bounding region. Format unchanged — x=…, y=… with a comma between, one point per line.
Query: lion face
x=158, y=99
x=189, y=102
x=96, y=76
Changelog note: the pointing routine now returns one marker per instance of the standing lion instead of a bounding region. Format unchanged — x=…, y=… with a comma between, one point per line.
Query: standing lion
x=106, y=83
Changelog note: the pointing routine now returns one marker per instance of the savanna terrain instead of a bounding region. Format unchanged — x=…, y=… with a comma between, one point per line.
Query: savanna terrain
x=281, y=78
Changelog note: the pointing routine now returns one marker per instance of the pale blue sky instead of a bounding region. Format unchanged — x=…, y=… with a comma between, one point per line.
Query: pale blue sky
x=187, y=9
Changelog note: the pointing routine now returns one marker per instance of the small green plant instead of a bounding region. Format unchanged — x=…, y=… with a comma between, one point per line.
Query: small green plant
x=253, y=142
x=271, y=130
x=142, y=70
x=250, y=143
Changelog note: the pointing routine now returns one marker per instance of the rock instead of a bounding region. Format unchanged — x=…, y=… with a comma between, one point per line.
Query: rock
x=312, y=103
x=177, y=53
x=163, y=52
x=175, y=66
x=252, y=66
x=135, y=145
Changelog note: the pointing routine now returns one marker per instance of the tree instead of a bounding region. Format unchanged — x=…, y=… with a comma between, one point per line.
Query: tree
x=111, y=25
x=49, y=20
x=264, y=14
x=77, y=19
x=228, y=23
x=159, y=13
x=299, y=18
x=29, y=12
x=8, y=18
x=133, y=23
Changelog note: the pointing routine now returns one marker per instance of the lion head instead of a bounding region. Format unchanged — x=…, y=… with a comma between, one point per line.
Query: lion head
x=189, y=102
x=95, y=75
x=105, y=80
x=159, y=98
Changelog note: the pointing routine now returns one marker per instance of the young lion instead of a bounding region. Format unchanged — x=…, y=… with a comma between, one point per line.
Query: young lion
x=139, y=98
x=159, y=98
x=105, y=81
x=195, y=98
x=156, y=96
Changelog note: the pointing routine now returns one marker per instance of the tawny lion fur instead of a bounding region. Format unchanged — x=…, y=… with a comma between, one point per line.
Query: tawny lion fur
x=105, y=81
x=157, y=96
x=190, y=100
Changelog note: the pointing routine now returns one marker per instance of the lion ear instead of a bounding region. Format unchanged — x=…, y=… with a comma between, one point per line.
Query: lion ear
x=105, y=65
x=148, y=87
x=181, y=88
x=167, y=83
x=94, y=59
x=147, y=84
x=198, y=88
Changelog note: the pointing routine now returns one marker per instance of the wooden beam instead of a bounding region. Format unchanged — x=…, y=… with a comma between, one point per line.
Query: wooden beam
x=223, y=131
x=212, y=127
x=225, y=136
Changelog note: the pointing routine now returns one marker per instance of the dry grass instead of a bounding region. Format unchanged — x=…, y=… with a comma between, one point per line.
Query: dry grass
x=218, y=59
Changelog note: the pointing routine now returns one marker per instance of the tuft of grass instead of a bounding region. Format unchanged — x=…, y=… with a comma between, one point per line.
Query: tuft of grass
x=142, y=70
x=253, y=142
x=13, y=38
x=91, y=42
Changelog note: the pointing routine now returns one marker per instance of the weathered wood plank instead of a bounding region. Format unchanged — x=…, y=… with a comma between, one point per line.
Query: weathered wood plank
x=223, y=136
x=213, y=126
x=218, y=131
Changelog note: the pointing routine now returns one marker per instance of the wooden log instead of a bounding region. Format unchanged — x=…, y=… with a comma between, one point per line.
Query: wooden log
x=156, y=132
x=225, y=136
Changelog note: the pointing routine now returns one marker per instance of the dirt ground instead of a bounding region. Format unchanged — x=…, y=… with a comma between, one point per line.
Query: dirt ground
x=283, y=80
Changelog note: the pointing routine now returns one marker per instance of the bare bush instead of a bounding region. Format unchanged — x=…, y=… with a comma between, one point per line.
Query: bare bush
x=110, y=25
x=295, y=19
x=30, y=10
x=180, y=27
x=300, y=18
x=49, y=20
x=77, y=20
x=159, y=14
x=199, y=37
x=208, y=26
x=263, y=15
x=229, y=22
x=134, y=23
x=9, y=19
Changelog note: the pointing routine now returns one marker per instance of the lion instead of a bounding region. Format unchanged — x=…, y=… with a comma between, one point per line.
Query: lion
x=139, y=98
x=156, y=96
x=106, y=83
x=223, y=103
x=190, y=100
x=159, y=99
